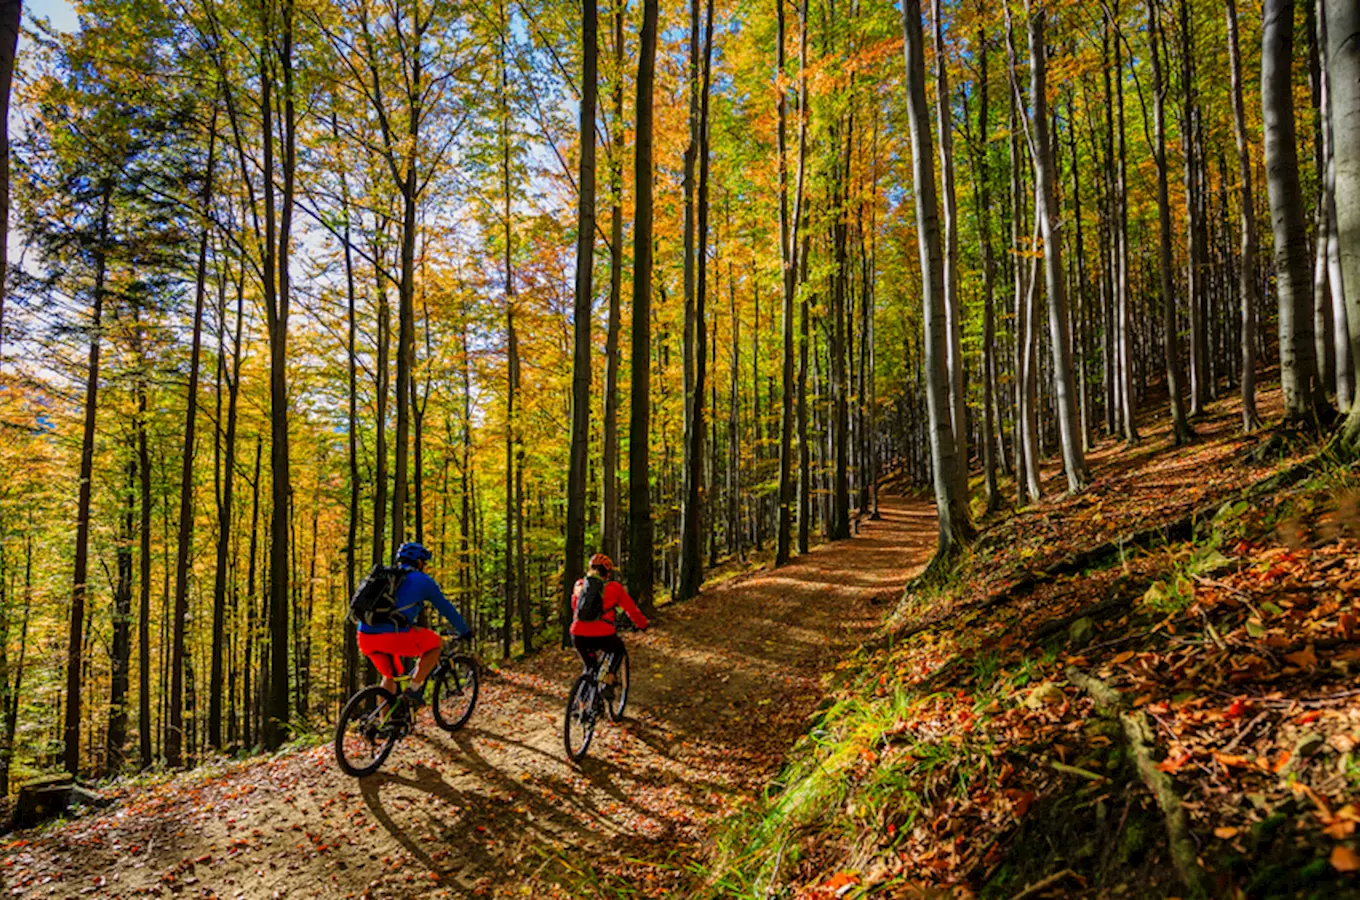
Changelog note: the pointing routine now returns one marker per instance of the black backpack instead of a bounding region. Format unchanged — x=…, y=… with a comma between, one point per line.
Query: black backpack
x=590, y=605
x=375, y=599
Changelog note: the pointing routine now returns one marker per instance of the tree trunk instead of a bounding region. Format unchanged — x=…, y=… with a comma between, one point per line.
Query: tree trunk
x=224, y=527
x=609, y=531
x=1170, y=339
x=1343, y=61
x=1046, y=176
x=353, y=514
x=692, y=505
x=982, y=173
x=581, y=363
x=799, y=246
x=513, y=511
x=76, y=638
x=277, y=295
x=11, y=17
x=1196, y=268
x=639, y=431
x=120, y=656
x=788, y=274
x=953, y=306
x=1305, y=399
x=1246, y=266
x=952, y=509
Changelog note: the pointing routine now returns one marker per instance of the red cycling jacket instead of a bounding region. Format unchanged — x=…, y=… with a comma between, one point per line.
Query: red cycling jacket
x=614, y=597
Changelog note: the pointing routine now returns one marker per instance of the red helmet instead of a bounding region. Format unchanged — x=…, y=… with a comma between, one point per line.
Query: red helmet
x=602, y=562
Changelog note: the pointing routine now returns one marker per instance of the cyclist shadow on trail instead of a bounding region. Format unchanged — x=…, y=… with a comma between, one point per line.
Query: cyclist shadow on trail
x=430, y=782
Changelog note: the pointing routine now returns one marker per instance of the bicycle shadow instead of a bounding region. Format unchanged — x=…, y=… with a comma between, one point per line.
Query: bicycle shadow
x=427, y=781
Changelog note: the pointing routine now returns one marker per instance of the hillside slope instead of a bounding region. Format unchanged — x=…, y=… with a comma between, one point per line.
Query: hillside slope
x=1175, y=715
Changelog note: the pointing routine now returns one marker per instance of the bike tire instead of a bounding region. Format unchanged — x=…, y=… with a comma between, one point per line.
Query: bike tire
x=579, y=719
x=361, y=747
x=620, y=701
x=457, y=684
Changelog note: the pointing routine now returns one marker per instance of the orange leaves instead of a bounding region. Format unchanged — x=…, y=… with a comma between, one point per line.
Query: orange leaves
x=1226, y=832
x=1173, y=764
x=841, y=881
x=1304, y=659
x=1344, y=859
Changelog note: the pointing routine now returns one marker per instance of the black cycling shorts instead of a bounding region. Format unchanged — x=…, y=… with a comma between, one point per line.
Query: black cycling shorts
x=587, y=647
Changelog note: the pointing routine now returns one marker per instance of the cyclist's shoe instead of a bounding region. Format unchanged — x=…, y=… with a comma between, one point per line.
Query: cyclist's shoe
x=413, y=699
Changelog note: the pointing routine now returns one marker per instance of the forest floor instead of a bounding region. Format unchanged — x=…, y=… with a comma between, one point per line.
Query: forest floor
x=813, y=732
x=722, y=688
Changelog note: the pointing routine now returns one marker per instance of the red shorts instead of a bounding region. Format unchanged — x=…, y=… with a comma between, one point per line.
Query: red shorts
x=386, y=650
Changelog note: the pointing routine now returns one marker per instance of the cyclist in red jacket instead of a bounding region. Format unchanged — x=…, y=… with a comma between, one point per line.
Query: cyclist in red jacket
x=591, y=637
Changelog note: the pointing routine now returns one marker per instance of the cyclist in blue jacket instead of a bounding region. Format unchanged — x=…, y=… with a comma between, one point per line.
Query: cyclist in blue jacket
x=388, y=643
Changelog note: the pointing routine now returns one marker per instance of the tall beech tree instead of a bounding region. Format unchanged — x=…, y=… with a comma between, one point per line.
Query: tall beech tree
x=950, y=505
x=1305, y=398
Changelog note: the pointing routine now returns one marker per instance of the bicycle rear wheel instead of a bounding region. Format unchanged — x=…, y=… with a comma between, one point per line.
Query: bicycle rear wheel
x=367, y=731
x=455, y=693
x=620, y=699
x=578, y=727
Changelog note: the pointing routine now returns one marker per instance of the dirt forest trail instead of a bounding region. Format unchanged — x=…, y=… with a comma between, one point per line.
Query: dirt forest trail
x=722, y=687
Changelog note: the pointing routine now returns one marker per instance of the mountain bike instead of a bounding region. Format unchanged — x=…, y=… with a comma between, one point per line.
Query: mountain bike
x=590, y=700
x=375, y=719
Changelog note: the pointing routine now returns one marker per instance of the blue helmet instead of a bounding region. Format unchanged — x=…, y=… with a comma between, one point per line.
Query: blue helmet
x=412, y=553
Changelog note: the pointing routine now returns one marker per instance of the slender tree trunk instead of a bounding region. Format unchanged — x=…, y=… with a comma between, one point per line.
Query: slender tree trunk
x=1196, y=289
x=120, y=656
x=692, y=505
x=1170, y=339
x=1339, y=345
x=353, y=517
x=76, y=639
x=788, y=275
x=799, y=245
x=951, y=506
x=953, y=307
x=382, y=380
x=513, y=511
x=277, y=297
x=639, y=432
x=585, y=256
x=224, y=527
x=1046, y=176
x=11, y=17
x=609, y=532
x=11, y=709
x=982, y=173
x=144, y=724
x=1247, y=262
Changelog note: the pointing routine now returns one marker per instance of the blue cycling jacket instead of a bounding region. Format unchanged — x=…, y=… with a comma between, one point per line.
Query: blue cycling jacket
x=417, y=589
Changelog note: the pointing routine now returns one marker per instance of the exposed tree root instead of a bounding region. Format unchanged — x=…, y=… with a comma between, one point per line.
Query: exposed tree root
x=1045, y=884
x=1140, y=739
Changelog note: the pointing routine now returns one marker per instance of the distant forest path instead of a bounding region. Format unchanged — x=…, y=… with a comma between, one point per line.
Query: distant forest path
x=721, y=690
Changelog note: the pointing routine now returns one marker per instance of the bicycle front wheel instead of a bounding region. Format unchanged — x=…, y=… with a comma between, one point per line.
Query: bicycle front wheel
x=578, y=727
x=620, y=698
x=455, y=693
x=367, y=731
